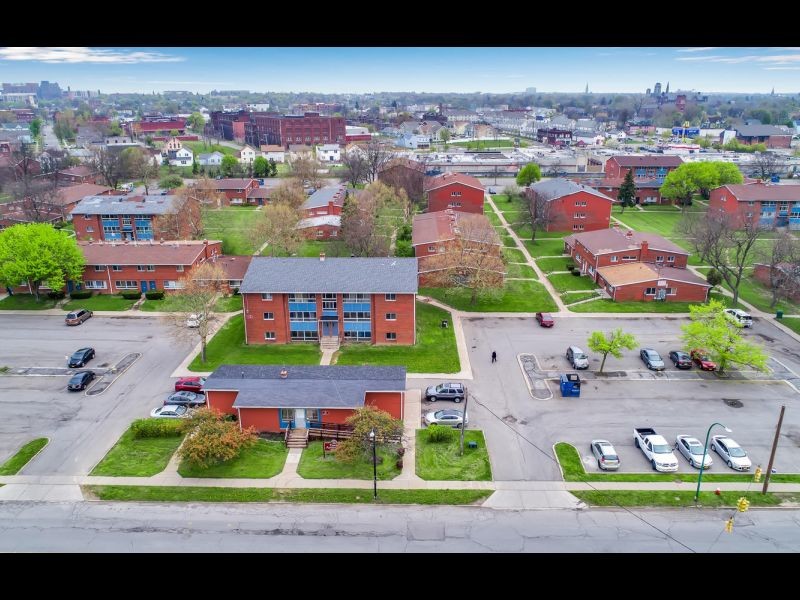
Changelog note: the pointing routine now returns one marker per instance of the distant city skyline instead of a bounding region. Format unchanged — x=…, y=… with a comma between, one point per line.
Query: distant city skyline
x=416, y=69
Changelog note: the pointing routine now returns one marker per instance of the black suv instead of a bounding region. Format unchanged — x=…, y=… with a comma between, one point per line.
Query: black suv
x=80, y=380
x=80, y=357
x=445, y=391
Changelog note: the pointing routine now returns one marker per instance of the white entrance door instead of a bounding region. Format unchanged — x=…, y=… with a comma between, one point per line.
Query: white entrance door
x=300, y=418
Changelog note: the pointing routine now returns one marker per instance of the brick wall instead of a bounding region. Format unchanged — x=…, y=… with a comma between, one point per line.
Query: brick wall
x=685, y=292
x=470, y=199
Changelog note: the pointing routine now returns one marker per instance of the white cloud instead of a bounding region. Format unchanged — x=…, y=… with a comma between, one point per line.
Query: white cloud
x=782, y=68
x=775, y=59
x=703, y=49
x=699, y=58
x=84, y=55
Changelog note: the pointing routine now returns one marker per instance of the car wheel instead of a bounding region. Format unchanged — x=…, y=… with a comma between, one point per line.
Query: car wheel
x=730, y=464
x=459, y=426
x=636, y=442
x=599, y=465
x=432, y=399
x=457, y=399
x=652, y=462
x=713, y=447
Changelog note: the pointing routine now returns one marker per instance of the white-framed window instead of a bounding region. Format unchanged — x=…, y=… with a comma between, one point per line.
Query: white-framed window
x=266, y=296
x=269, y=336
x=94, y=285
x=126, y=285
x=335, y=233
x=89, y=229
x=577, y=228
x=659, y=259
x=391, y=336
x=614, y=258
x=151, y=267
x=116, y=268
x=651, y=291
x=173, y=285
x=268, y=316
x=99, y=268
x=672, y=291
x=455, y=194
x=723, y=199
x=454, y=205
x=390, y=297
x=320, y=233
x=141, y=267
x=671, y=259
x=431, y=248
x=87, y=217
x=179, y=268
x=391, y=316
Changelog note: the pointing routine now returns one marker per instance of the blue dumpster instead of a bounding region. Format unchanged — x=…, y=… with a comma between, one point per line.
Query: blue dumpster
x=570, y=385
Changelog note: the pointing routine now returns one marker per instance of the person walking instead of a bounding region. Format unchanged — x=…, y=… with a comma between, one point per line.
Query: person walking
x=494, y=356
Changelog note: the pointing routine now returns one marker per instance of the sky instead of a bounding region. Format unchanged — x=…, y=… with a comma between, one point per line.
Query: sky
x=393, y=69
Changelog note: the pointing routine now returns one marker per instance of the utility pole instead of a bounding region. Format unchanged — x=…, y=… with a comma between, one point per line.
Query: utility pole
x=464, y=421
x=774, y=448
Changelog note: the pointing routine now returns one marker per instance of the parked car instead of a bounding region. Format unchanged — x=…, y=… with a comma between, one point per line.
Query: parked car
x=445, y=391
x=80, y=380
x=193, y=320
x=652, y=359
x=76, y=317
x=692, y=450
x=187, y=398
x=701, y=359
x=451, y=417
x=544, y=319
x=577, y=358
x=170, y=411
x=681, y=360
x=737, y=315
x=190, y=384
x=80, y=357
x=492, y=191
x=731, y=452
x=656, y=448
x=607, y=458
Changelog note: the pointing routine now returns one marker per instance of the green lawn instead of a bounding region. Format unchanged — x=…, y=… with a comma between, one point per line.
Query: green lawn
x=265, y=459
x=442, y=461
x=567, y=281
x=517, y=296
x=14, y=464
x=228, y=347
x=484, y=144
x=169, y=303
x=202, y=148
x=545, y=247
x=792, y=323
x=515, y=205
x=231, y=225
x=141, y=493
x=312, y=248
x=660, y=223
x=513, y=255
x=548, y=265
x=228, y=304
x=26, y=302
x=101, y=302
x=434, y=352
x=515, y=270
x=667, y=208
x=491, y=215
x=760, y=296
x=681, y=499
x=508, y=241
x=572, y=298
x=605, y=305
x=314, y=466
x=142, y=457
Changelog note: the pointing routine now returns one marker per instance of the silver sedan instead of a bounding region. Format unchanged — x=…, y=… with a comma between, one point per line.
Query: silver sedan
x=692, y=450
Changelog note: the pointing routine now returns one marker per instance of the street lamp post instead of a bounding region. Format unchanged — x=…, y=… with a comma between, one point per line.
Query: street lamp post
x=703, y=462
x=374, y=465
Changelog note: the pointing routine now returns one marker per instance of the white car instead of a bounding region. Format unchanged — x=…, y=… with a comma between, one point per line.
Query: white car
x=739, y=316
x=731, y=452
x=607, y=458
x=170, y=411
x=193, y=321
x=692, y=450
x=447, y=417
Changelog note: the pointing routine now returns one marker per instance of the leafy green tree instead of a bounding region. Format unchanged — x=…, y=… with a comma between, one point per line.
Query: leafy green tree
x=712, y=331
x=691, y=178
x=627, y=191
x=529, y=174
x=229, y=165
x=363, y=420
x=196, y=121
x=260, y=167
x=273, y=168
x=170, y=182
x=114, y=128
x=173, y=132
x=195, y=167
x=214, y=439
x=714, y=277
x=36, y=127
x=611, y=344
x=444, y=134
x=37, y=253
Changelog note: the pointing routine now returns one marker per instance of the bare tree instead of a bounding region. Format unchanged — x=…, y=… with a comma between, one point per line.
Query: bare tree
x=188, y=212
x=355, y=168
x=766, y=164
x=306, y=170
x=277, y=226
x=377, y=155
x=138, y=165
x=540, y=213
x=406, y=175
x=782, y=259
x=289, y=192
x=41, y=202
x=724, y=243
x=471, y=260
x=206, y=192
x=109, y=164
x=360, y=228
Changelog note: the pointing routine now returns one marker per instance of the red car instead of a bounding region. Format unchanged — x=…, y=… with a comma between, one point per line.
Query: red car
x=190, y=384
x=545, y=320
x=701, y=359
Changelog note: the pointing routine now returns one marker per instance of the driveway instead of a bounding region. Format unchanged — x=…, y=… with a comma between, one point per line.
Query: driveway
x=81, y=427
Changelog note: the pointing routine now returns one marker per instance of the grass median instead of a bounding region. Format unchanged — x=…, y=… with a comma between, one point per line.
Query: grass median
x=314, y=466
x=101, y=302
x=23, y=456
x=442, y=461
x=515, y=296
x=681, y=499
x=264, y=460
x=142, y=457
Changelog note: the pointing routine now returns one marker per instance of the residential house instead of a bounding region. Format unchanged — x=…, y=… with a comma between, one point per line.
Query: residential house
x=273, y=152
x=342, y=299
x=403, y=173
x=236, y=190
x=300, y=151
x=132, y=218
x=234, y=267
x=214, y=159
x=554, y=136
x=329, y=153
x=79, y=174
x=769, y=135
x=648, y=170
x=787, y=275
x=171, y=145
x=454, y=190
x=415, y=141
x=640, y=281
x=322, y=213
x=246, y=155
x=571, y=206
x=260, y=195
x=767, y=204
x=273, y=398
x=182, y=157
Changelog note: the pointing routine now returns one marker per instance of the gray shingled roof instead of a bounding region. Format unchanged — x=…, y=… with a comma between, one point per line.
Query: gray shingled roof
x=759, y=130
x=125, y=205
x=344, y=275
x=556, y=188
x=322, y=196
x=261, y=386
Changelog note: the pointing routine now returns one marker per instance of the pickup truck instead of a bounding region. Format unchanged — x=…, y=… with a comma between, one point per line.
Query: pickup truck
x=657, y=449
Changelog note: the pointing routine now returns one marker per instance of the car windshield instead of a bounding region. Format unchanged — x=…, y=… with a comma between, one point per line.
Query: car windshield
x=737, y=452
x=440, y=387
x=696, y=449
x=653, y=356
x=580, y=355
x=71, y=315
x=662, y=448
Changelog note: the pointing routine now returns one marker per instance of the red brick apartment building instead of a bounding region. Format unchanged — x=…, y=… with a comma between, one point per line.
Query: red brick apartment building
x=237, y=191
x=554, y=136
x=456, y=191
x=157, y=128
x=767, y=204
x=648, y=175
x=274, y=398
x=341, y=299
x=79, y=174
x=114, y=267
x=572, y=206
x=309, y=128
x=131, y=218
x=322, y=213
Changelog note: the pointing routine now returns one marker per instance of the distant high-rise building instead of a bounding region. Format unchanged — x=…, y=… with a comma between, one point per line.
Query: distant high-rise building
x=647, y=93
x=586, y=91
x=657, y=89
x=667, y=90
x=49, y=90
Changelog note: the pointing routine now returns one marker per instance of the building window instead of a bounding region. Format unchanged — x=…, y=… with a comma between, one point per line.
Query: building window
x=651, y=291
x=287, y=414
x=672, y=291
x=266, y=296
x=126, y=285
x=300, y=336
x=320, y=233
x=87, y=217
x=455, y=194
x=723, y=199
x=454, y=205
x=140, y=267
x=116, y=268
x=390, y=297
x=151, y=267
x=431, y=248
x=94, y=285
x=99, y=267
x=391, y=336
x=659, y=259
x=614, y=258
x=577, y=228
x=89, y=229
x=328, y=301
x=300, y=315
x=268, y=316
x=671, y=259
x=391, y=316
x=269, y=336
x=173, y=285
x=179, y=268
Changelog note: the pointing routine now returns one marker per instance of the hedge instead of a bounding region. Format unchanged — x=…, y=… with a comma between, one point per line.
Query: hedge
x=59, y=295
x=131, y=295
x=157, y=428
x=154, y=295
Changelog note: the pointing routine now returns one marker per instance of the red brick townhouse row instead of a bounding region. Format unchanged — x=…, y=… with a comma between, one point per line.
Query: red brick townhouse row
x=645, y=281
x=766, y=204
x=454, y=190
x=786, y=275
x=347, y=299
x=274, y=398
x=445, y=231
x=571, y=206
x=648, y=175
x=322, y=213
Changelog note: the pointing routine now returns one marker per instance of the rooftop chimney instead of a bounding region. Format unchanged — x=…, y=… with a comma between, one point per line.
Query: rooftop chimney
x=321, y=256
x=284, y=373
x=645, y=246
x=629, y=234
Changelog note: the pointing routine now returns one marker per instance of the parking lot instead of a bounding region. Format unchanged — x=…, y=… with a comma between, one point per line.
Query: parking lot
x=521, y=430
x=81, y=427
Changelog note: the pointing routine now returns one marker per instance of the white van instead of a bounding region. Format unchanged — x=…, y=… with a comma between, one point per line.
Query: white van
x=739, y=316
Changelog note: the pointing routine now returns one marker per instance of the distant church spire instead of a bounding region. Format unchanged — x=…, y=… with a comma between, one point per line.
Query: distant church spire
x=667, y=91
x=773, y=91
x=586, y=91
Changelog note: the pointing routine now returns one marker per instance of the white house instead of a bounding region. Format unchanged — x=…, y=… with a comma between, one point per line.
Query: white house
x=210, y=160
x=246, y=155
x=273, y=152
x=181, y=158
x=329, y=153
x=172, y=144
x=414, y=141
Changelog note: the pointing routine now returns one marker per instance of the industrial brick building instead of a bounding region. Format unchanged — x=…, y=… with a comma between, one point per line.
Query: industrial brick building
x=309, y=128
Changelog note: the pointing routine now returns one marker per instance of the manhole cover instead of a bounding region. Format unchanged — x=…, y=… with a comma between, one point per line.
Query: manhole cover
x=733, y=402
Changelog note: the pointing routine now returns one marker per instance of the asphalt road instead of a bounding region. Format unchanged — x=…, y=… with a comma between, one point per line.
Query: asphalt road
x=134, y=527
x=81, y=428
x=50, y=140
